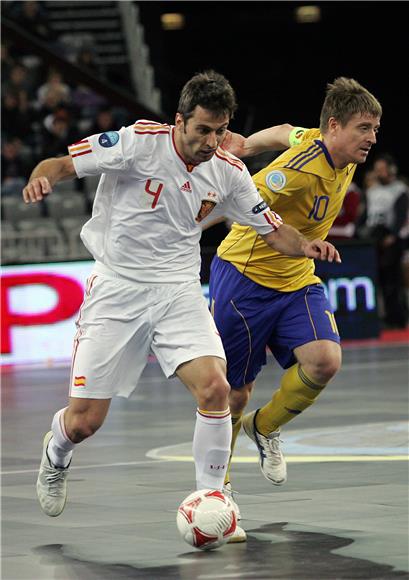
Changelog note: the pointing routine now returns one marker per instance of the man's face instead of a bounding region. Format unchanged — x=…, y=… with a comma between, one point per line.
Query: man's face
x=383, y=171
x=198, y=138
x=351, y=143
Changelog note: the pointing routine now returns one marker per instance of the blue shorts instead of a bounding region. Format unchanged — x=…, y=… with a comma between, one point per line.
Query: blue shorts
x=251, y=317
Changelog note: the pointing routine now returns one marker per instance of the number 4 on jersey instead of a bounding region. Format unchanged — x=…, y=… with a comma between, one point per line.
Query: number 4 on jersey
x=149, y=188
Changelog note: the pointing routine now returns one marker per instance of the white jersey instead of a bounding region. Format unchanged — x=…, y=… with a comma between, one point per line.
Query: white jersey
x=380, y=202
x=145, y=223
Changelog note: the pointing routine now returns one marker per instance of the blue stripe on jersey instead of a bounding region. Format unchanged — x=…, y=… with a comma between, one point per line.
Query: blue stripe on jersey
x=301, y=154
x=303, y=160
x=308, y=160
x=310, y=151
x=326, y=152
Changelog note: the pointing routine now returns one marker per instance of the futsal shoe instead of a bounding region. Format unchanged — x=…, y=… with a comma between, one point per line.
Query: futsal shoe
x=272, y=462
x=51, y=483
x=239, y=534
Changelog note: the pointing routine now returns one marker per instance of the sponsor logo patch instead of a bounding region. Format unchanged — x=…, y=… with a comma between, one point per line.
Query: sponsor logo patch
x=275, y=180
x=259, y=207
x=108, y=139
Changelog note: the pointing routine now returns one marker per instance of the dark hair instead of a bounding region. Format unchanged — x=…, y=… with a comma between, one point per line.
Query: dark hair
x=387, y=157
x=389, y=160
x=209, y=90
x=346, y=97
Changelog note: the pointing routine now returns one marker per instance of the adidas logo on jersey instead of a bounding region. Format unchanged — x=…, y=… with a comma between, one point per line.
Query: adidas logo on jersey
x=186, y=187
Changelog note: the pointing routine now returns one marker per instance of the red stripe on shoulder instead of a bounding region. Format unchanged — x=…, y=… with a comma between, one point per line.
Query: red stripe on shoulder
x=221, y=154
x=151, y=132
x=78, y=142
x=145, y=122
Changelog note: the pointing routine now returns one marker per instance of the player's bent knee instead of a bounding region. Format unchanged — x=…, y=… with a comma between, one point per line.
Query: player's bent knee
x=323, y=369
x=82, y=430
x=215, y=393
x=82, y=425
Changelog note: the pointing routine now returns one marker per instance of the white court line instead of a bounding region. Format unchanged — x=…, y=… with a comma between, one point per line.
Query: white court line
x=95, y=465
x=252, y=459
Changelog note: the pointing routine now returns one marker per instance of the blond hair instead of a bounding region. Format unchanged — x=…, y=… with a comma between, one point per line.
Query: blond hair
x=344, y=98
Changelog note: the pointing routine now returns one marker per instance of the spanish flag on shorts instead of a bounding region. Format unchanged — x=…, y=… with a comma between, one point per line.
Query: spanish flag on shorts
x=79, y=381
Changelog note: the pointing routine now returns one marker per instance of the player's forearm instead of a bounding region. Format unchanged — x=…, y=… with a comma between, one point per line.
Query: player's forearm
x=272, y=139
x=54, y=169
x=45, y=175
x=287, y=240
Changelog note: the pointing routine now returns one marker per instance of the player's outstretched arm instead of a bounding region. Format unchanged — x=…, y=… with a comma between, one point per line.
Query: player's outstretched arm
x=287, y=240
x=275, y=138
x=45, y=175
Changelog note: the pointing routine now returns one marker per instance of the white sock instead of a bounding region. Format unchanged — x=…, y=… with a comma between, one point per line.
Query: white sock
x=211, y=447
x=60, y=447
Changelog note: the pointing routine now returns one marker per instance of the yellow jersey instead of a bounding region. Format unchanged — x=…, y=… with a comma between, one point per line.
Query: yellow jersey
x=307, y=191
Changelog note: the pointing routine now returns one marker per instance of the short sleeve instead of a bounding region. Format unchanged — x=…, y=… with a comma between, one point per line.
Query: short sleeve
x=247, y=207
x=109, y=152
x=273, y=181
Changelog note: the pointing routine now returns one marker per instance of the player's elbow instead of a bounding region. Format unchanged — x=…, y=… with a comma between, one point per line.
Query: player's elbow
x=273, y=239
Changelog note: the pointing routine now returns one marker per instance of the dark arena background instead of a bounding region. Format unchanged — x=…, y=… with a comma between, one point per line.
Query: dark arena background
x=76, y=68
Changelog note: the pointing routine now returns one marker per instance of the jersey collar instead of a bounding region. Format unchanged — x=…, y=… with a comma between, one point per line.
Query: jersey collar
x=188, y=166
x=323, y=166
x=314, y=158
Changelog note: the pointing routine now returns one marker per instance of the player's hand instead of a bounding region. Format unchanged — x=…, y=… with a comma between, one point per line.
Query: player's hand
x=320, y=250
x=234, y=143
x=36, y=189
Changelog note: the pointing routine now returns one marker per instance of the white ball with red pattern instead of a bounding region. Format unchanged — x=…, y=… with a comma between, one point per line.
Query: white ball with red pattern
x=206, y=519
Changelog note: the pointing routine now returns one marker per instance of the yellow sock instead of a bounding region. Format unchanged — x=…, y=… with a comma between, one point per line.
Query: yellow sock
x=236, y=423
x=296, y=393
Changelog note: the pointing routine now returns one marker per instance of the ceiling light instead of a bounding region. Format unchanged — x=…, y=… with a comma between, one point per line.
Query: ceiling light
x=172, y=21
x=308, y=13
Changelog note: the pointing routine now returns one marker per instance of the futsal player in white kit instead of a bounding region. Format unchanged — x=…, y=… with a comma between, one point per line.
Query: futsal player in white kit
x=158, y=183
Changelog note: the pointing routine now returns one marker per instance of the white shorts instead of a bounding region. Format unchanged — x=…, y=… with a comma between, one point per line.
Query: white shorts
x=120, y=322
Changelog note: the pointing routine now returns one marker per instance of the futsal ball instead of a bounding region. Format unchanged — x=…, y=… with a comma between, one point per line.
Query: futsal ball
x=206, y=519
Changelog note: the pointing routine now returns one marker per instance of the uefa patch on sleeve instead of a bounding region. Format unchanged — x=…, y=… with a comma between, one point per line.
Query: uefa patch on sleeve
x=108, y=139
x=275, y=180
x=259, y=207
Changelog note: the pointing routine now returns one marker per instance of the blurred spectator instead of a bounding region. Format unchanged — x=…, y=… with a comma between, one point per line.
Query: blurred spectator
x=55, y=86
x=19, y=81
x=32, y=17
x=7, y=61
x=15, y=167
x=369, y=179
x=104, y=121
x=344, y=225
x=16, y=118
x=59, y=131
x=51, y=102
x=387, y=207
x=87, y=59
x=86, y=101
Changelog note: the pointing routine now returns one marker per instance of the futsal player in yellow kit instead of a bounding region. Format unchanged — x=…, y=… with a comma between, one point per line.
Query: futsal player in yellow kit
x=261, y=298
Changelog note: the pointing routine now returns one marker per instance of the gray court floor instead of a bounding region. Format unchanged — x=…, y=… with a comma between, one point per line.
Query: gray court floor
x=343, y=514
